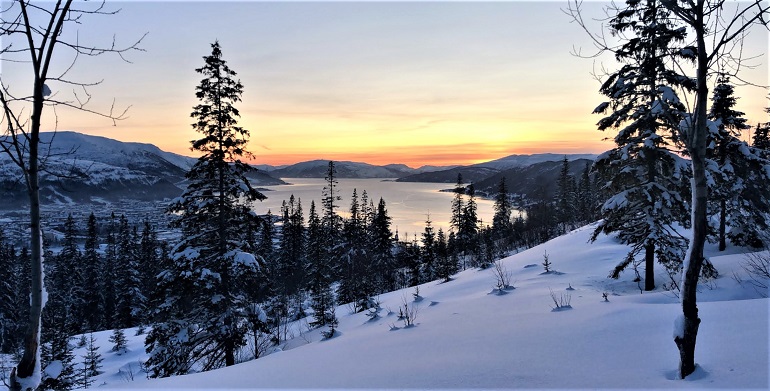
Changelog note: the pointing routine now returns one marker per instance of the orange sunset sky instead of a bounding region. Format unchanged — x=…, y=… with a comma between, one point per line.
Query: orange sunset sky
x=417, y=83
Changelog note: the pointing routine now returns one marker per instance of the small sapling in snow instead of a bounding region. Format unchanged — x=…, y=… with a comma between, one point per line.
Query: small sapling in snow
x=546, y=262
x=118, y=338
x=416, y=294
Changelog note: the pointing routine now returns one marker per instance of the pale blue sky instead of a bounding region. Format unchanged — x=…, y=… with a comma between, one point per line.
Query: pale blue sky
x=360, y=80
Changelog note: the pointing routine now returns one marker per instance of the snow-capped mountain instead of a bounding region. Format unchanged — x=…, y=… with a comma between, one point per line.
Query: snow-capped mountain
x=346, y=169
x=514, y=161
x=481, y=171
x=83, y=168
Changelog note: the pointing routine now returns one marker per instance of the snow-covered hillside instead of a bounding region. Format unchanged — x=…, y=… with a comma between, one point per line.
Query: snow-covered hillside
x=83, y=169
x=513, y=161
x=468, y=336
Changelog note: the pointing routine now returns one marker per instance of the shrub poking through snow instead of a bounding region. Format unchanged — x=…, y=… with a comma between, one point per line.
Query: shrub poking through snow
x=606, y=297
x=502, y=277
x=407, y=313
x=562, y=302
x=757, y=266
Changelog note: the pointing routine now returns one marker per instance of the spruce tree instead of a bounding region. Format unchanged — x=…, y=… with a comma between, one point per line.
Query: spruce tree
x=356, y=284
x=92, y=269
x=327, y=267
x=119, y=341
x=381, y=244
x=468, y=234
x=108, y=275
x=761, y=137
x=92, y=361
x=458, y=205
x=129, y=300
x=8, y=318
x=647, y=194
x=71, y=283
x=501, y=221
x=587, y=204
x=727, y=156
x=565, y=206
x=150, y=264
x=212, y=263
x=292, y=267
x=428, y=252
x=447, y=264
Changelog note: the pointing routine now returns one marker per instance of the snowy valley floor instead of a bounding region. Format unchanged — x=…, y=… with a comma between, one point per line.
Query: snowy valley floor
x=466, y=336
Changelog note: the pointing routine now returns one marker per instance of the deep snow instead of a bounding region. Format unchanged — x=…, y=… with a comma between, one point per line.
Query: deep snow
x=467, y=336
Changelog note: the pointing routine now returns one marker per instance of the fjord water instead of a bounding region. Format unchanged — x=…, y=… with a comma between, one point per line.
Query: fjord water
x=408, y=203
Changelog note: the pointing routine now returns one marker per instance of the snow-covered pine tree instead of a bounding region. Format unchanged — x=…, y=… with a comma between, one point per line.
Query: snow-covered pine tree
x=8, y=318
x=118, y=341
x=292, y=260
x=735, y=170
x=326, y=267
x=212, y=264
x=92, y=270
x=458, y=208
x=565, y=197
x=150, y=264
x=130, y=303
x=59, y=372
x=14, y=302
x=447, y=264
x=428, y=252
x=319, y=273
x=468, y=235
x=586, y=201
x=501, y=221
x=380, y=239
x=647, y=190
x=331, y=222
x=108, y=276
x=92, y=362
x=356, y=283
x=761, y=137
x=71, y=283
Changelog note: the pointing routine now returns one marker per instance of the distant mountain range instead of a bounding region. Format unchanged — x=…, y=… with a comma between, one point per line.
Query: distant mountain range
x=479, y=172
x=345, y=169
x=99, y=169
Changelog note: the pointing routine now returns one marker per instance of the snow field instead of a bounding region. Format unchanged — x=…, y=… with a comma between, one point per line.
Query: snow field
x=467, y=336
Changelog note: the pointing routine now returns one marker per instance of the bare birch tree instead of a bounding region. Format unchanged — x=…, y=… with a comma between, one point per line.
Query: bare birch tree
x=716, y=30
x=717, y=35
x=35, y=36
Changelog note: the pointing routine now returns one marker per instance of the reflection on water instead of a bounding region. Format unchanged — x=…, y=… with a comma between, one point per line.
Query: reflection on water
x=408, y=203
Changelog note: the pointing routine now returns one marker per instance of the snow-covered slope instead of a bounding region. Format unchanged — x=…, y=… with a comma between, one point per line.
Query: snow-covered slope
x=468, y=336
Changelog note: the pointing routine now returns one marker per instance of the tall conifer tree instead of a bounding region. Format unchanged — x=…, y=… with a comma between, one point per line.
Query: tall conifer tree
x=213, y=263
x=647, y=190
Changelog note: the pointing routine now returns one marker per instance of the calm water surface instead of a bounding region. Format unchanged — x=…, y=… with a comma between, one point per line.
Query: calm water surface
x=408, y=203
